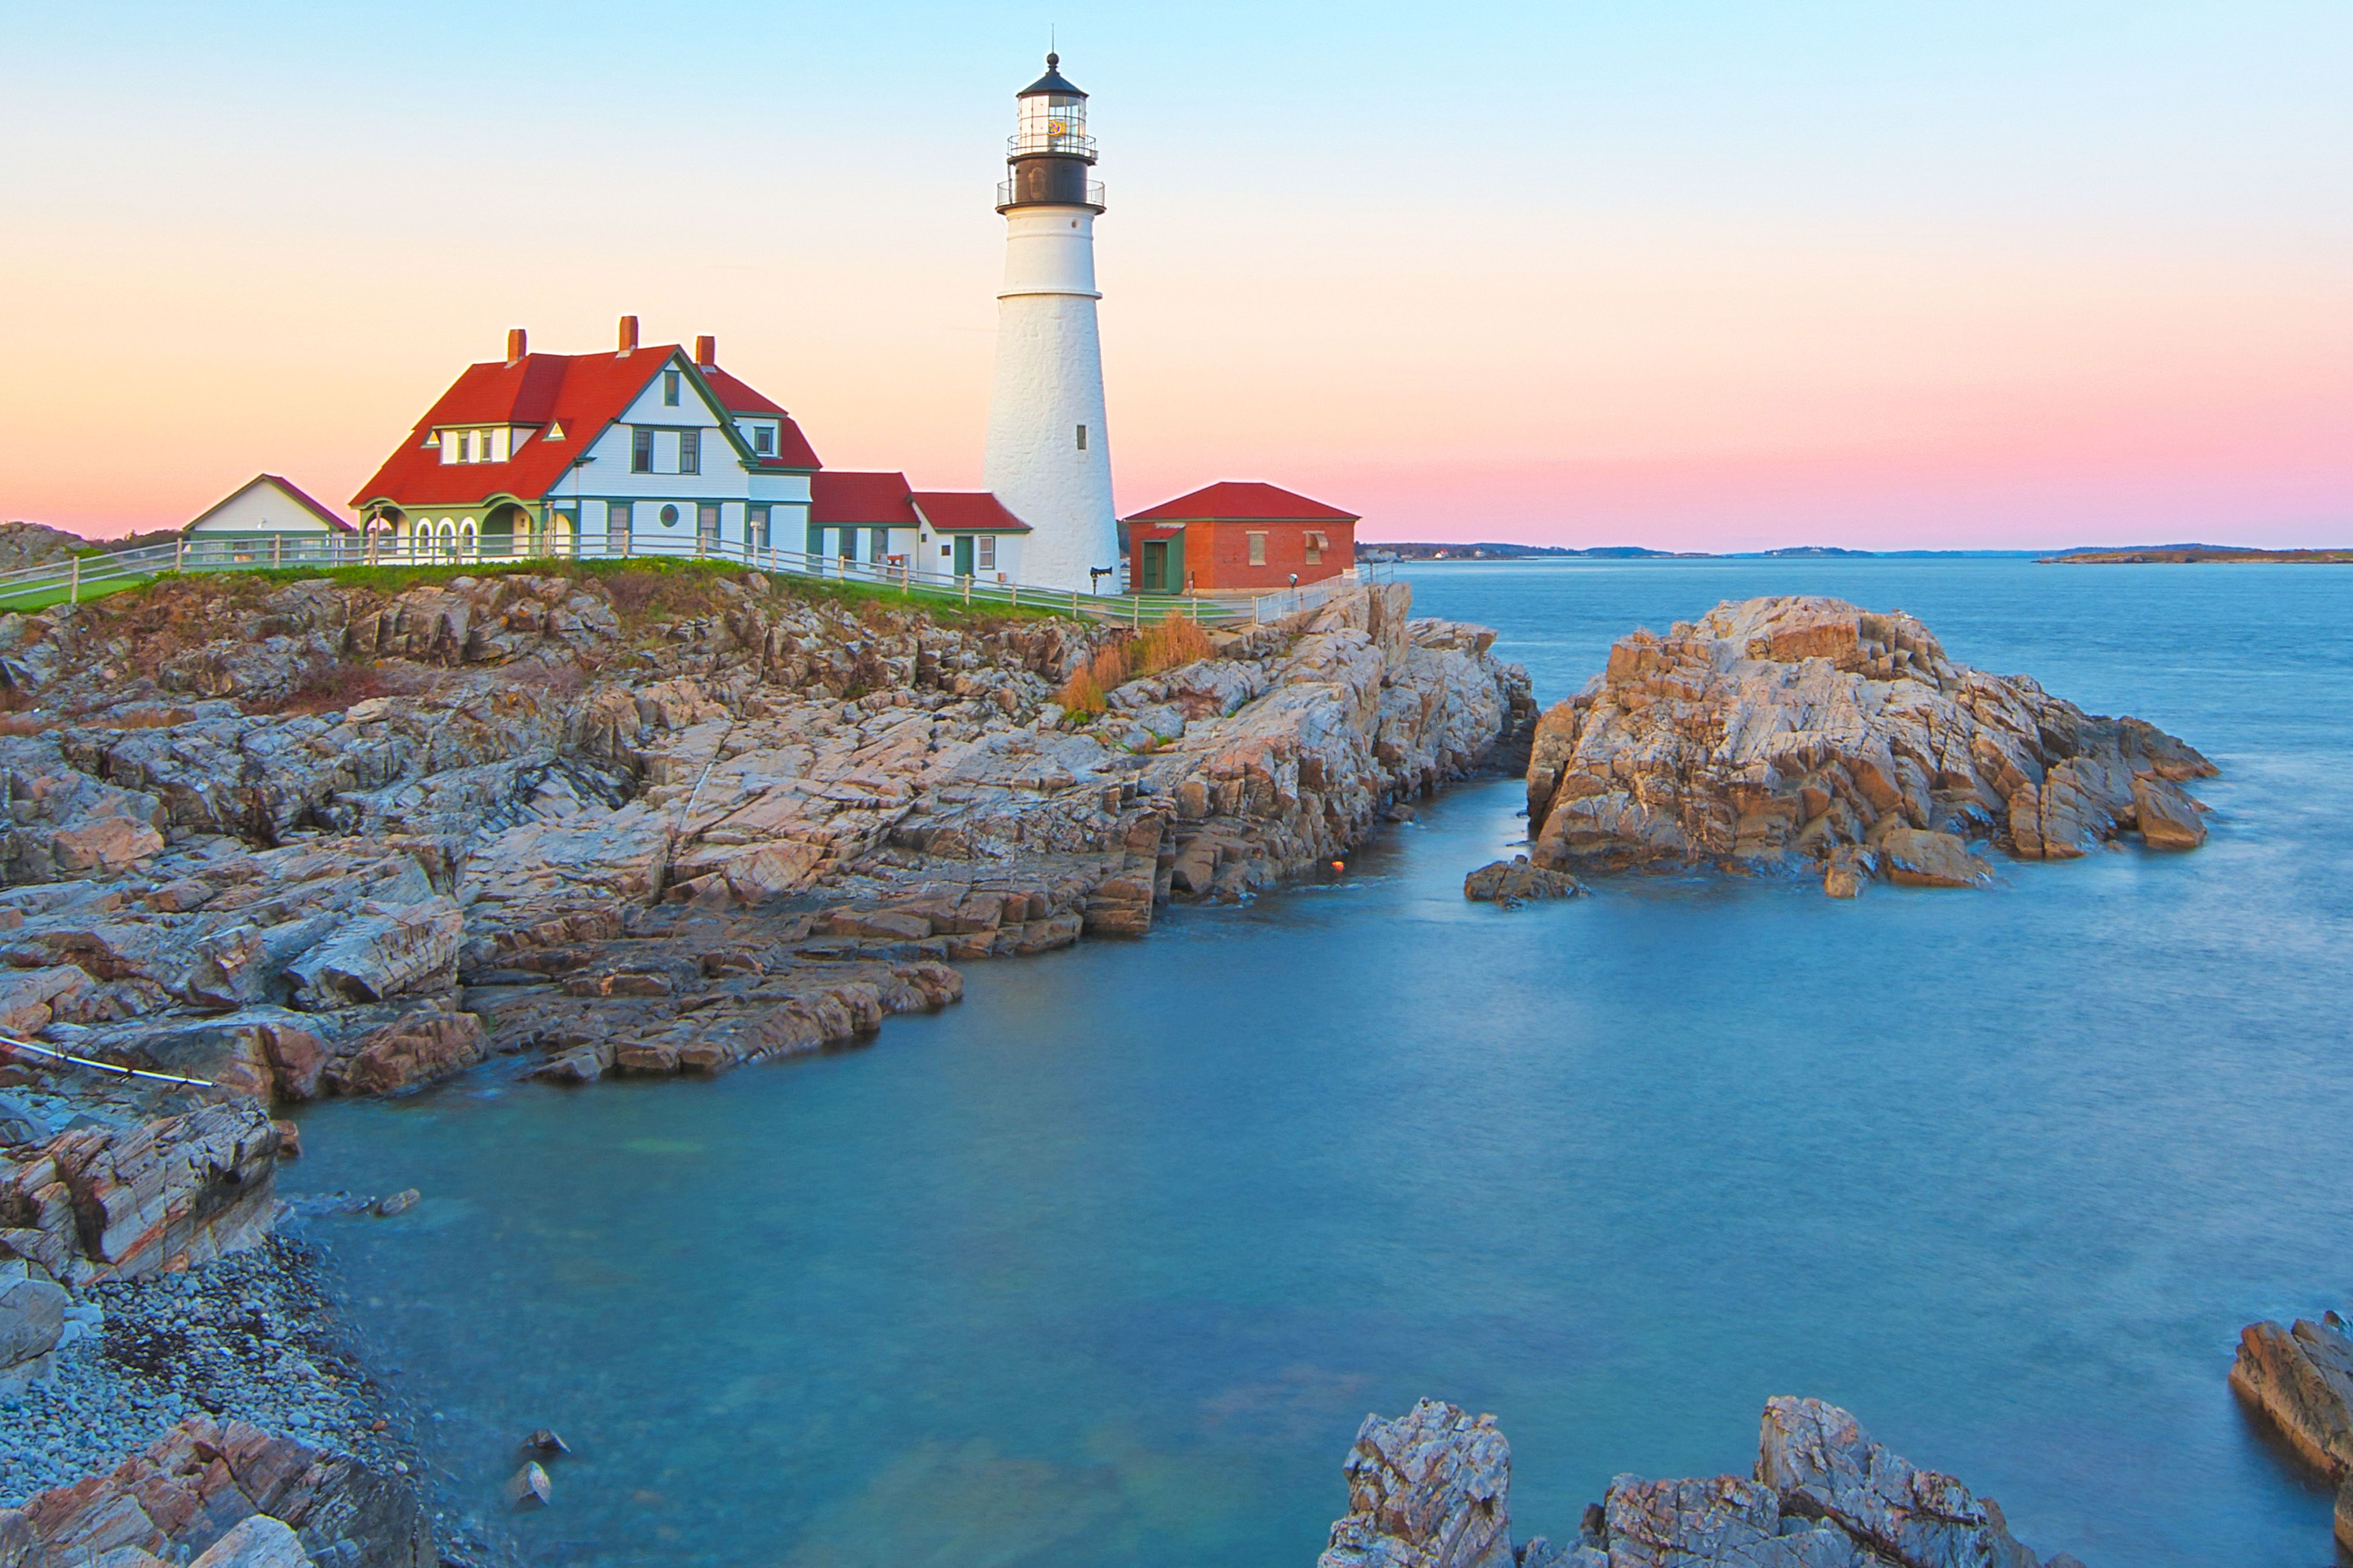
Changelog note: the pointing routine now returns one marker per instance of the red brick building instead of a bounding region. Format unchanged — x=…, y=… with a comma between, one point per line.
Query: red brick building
x=1238, y=536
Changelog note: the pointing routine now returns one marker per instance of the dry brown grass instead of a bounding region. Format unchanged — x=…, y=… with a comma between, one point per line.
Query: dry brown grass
x=1083, y=693
x=1172, y=642
x=1110, y=666
x=332, y=688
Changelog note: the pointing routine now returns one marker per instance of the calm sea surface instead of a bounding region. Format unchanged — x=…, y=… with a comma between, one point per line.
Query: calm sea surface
x=1104, y=1266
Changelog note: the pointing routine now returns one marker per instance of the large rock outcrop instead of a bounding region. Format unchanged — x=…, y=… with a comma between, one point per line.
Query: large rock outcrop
x=290, y=838
x=200, y=1488
x=1432, y=1488
x=100, y=1202
x=1809, y=734
x=2300, y=1380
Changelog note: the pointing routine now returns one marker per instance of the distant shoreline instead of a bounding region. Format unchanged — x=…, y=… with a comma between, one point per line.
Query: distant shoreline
x=2194, y=555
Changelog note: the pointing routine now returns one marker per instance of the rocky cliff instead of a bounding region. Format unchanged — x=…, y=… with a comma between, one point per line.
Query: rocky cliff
x=340, y=835
x=1809, y=734
x=1432, y=1489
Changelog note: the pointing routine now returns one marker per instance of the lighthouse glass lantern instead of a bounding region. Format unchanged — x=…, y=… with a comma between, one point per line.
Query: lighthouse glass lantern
x=1054, y=122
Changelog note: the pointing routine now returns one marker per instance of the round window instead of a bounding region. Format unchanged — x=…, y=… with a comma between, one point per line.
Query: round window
x=670, y=517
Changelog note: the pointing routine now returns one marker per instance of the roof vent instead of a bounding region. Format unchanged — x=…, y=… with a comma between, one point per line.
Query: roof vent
x=706, y=352
x=518, y=344
x=628, y=334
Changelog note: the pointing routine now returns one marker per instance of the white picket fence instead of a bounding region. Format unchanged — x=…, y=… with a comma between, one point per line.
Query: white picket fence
x=87, y=575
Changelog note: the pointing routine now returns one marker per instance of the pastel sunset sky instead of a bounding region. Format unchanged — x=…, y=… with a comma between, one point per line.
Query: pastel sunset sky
x=2000, y=273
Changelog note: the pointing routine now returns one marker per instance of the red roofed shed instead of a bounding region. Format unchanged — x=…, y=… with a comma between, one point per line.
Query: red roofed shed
x=1238, y=536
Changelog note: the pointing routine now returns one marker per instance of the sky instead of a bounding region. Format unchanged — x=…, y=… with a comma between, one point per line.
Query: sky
x=1880, y=274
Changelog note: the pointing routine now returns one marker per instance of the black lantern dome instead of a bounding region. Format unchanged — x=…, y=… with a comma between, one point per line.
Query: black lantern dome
x=1049, y=151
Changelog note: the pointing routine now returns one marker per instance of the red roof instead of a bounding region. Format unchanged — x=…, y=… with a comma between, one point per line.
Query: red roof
x=966, y=512
x=861, y=499
x=583, y=393
x=1243, y=501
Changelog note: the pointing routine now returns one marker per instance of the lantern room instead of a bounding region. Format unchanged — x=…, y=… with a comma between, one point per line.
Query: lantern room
x=1049, y=150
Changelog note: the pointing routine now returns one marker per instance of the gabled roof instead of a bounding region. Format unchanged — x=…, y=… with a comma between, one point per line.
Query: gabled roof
x=966, y=512
x=1243, y=501
x=583, y=393
x=861, y=499
x=293, y=491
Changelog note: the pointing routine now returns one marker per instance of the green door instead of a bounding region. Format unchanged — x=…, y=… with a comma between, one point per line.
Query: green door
x=963, y=555
x=1155, y=577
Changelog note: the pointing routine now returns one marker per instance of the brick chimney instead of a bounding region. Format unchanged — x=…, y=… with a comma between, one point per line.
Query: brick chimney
x=706, y=352
x=518, y=344
x=628, y=334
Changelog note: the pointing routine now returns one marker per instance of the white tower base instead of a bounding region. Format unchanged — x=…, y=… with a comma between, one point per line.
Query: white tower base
x=1048, y=457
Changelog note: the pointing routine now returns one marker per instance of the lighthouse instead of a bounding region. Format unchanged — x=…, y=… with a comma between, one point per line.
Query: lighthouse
x=1048, y=457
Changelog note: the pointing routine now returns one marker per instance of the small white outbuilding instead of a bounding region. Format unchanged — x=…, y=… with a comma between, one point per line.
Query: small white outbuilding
x=268, y=507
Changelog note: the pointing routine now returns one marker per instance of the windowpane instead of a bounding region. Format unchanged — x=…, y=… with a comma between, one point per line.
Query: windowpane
x=764, y=439
x=756, y=526
x=669, y=388
x=1258, y=549
x=706, y=522
x=617, y=526
x=986, y=547
x=1082, y=437
x=689, y=452
x=641, y=450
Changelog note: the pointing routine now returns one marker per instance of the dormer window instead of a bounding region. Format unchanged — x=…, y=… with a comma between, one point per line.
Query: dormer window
x=764, y=439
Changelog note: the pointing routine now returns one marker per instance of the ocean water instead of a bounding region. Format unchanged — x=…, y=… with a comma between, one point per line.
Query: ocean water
x=1105, y=1265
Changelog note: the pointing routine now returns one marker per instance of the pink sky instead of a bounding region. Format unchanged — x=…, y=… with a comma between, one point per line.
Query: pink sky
x=1891, y=332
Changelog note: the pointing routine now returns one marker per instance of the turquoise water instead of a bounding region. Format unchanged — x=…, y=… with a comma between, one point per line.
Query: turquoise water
x=1104, y=1266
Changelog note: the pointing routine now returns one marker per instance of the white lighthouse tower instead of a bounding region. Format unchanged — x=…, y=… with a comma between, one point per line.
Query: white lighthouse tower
x=1048, y=456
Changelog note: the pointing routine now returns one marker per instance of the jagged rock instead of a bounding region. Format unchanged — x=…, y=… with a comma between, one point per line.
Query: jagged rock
x=2169, y=817
x=545, y=1442
x=105, y=844
x=32, y=1320
x=1783, y=731
x=1919, y=859
x=191, y=1489
x=259, y=1541
x=103, y=1203
x=1822, y=1465
x=29, y=998
x=2300, y=1380
x=19, y=1126
x=1429, y=1490
x=410, y=1051
x=1514, y=880
x=380, y=955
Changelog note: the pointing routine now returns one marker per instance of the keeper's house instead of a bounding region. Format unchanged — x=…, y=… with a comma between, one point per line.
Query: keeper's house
x=880, y=520
x=644, y=449
x=266, y=508
x=1239, y=536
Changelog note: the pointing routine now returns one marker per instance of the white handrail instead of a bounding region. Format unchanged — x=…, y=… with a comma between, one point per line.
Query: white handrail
x=81, y=574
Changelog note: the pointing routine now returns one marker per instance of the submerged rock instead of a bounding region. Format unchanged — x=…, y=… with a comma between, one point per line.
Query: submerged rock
x=1513, y=881
x=1432, y=1489
x=1810, y=733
